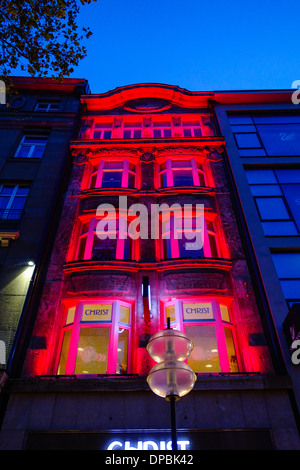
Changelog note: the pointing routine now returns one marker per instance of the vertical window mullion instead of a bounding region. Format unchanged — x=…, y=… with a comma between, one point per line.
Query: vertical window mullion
x=125, y=170
x=100, y=174
x=90, y=239
x=221, y=339
x=72, y=354
x=113, y=339
x=196, y=179
x=206, y=244
x=169, y=173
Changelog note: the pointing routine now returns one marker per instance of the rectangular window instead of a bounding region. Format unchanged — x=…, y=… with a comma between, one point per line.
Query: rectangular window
x=162, y=129
x=287, y=266
x=12, y=201
x=132, y=131
x=31, y=146
x=259, y=136
x=98, y=339
x=103, y=243
x=277, y=196
x=102, y=131
x=47, y=106
x=192, y=129
x=207, y=324
x=183, y=239
x=113, y=174
x=177, y=173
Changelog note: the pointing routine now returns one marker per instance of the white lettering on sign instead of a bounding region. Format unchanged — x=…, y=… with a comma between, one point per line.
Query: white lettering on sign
x=147, y=445
x=197, y=311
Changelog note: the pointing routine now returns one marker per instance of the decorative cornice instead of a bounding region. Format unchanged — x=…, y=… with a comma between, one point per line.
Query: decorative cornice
x=82, y=155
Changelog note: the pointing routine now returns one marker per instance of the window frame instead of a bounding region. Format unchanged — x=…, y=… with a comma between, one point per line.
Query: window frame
x=97, y=171
x=282, y=278
x=7, y=210
x=32, y=147
x=171, y=244
x=49, y=104
x=102, y=128
x=192, y=126
x=255, y=121
x=217, y=321
x=77, y=324
x=273, y=181
x=131, y=128
x=90, y=236
x=194, y=168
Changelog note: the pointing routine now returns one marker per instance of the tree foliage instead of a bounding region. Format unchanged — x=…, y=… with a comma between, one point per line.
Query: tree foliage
x=41, y=36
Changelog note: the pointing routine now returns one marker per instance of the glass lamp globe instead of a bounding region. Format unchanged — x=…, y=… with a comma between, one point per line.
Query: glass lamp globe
x=169, y=344
x=171, y=378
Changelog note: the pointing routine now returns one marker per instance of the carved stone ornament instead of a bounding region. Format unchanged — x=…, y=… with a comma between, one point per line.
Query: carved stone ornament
x=147, y=157
x=82, y=156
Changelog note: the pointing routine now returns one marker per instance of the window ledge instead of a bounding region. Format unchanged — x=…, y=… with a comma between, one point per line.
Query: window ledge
x=136, y=383
x=87, y=265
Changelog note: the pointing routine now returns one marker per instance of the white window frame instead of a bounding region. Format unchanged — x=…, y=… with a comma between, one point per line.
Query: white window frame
x=169, y=237
x=49, y=106
x=77, y=324
x=192, y=128
x=194, y=169
x=217, y=321
x=31, y=146
x=101, y=169
x=90, y=235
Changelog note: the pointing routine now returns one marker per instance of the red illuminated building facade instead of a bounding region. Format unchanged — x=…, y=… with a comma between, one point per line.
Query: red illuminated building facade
x=145, y=146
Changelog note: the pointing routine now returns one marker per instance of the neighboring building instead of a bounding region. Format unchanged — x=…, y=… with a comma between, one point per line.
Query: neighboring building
x=35, y=132
x=262, y=134
x=82, y=382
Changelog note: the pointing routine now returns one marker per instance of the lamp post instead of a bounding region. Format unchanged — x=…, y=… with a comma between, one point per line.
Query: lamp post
x=170, y=378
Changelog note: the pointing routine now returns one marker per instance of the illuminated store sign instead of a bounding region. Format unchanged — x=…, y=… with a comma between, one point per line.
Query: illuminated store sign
x=197, y=311
x=96, y=312
x=148, y=440
x=147, y=445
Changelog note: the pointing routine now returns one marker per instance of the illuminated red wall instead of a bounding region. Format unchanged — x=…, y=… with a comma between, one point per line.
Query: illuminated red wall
x=225, y=278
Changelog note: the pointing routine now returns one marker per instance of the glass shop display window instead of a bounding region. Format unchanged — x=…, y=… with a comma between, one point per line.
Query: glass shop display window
x=95, y=338
x=207, y=323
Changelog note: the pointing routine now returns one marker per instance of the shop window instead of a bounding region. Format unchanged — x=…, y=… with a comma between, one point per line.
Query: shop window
x=277, y=196
x=186, y=238
x=12, y=201
x=103, y=243
x=113, y=174
x=31, y=146
x=95, y=338
x=208, y=325
x=181, y=173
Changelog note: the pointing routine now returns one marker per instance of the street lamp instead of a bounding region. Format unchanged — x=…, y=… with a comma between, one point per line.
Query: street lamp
x=171, y=378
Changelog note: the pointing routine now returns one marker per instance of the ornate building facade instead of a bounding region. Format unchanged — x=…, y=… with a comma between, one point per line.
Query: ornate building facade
x=150, y=175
